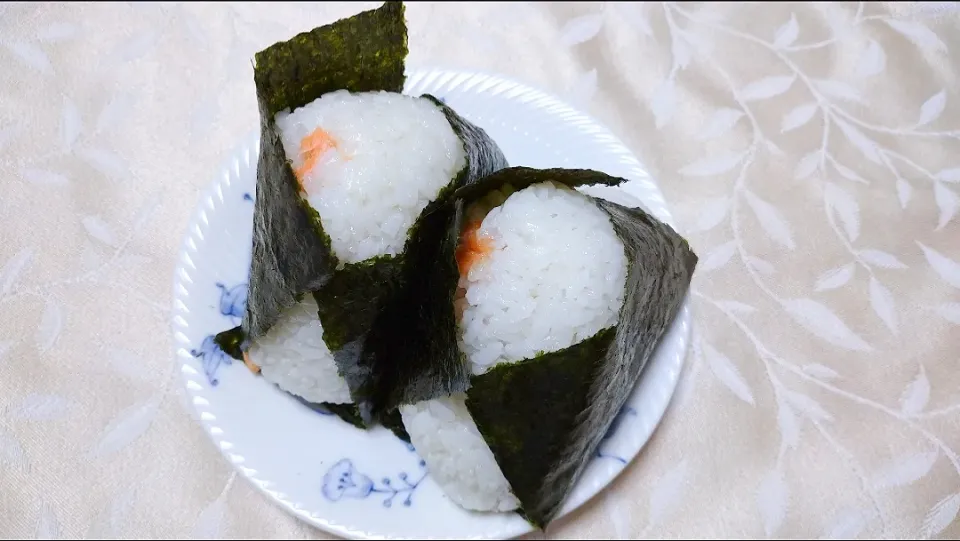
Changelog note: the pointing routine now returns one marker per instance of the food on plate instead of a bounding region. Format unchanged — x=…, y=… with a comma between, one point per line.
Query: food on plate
x=559, y=301
x=349, y=169
x=402, y=274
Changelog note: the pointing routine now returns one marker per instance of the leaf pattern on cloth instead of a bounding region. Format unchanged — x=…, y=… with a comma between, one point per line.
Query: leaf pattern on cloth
x=810, y=152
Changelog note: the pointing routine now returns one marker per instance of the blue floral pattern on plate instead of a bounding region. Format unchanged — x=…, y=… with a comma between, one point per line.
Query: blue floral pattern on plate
x=343, y=480
x=627, y=411
x=211, y=357
x=233, y=302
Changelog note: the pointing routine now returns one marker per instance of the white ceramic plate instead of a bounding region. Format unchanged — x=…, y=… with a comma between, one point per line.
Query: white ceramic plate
x=369, y=484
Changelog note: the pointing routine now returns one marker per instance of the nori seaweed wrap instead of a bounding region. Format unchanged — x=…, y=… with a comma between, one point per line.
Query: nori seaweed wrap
x=344, y=195
x=561, y=299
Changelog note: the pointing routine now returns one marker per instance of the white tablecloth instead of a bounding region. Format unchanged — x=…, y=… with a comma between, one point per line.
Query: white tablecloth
x=810, y=152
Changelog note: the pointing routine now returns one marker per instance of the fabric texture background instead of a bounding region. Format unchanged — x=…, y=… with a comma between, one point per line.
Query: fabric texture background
x=809, y=151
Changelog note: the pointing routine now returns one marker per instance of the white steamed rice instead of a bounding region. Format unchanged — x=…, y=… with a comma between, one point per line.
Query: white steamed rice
x=393, y=155
x=294, y=356
x=555, y=277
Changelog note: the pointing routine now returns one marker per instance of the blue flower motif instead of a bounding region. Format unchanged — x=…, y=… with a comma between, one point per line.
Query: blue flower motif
x=233, y=301
x=211, y=357
x=626, y=411
x=247, y=197
x=342, y=480
x=614, y=426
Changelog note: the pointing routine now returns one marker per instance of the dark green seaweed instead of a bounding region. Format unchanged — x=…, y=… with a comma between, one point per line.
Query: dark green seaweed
x=522, y=177
x=292, y=255
x=349, y=306
x=412, y=357
x=527, y=411
x=394, y=422
x=544, y=417
x=417, y=357
x=366, y=308
x=346, y=412
x=483, y=155
x=230, y=341
x=362, y=53
x=351, y=415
